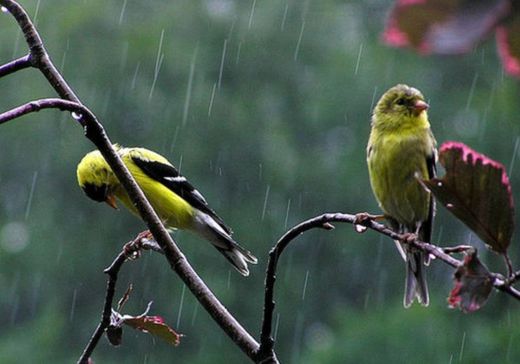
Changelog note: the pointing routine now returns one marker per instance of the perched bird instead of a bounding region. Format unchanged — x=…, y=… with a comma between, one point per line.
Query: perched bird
x=178, y=204
x=401, y=151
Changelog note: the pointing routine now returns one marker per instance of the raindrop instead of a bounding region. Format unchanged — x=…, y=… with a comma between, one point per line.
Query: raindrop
x=439, y=184
x=180, y=306
x=222, y=59
x=134, y=79
x=31, y=193
x=212, y=99
x=194, y=315
x=238, y=52
x=122, y=14
x=358, y=59
x=449, y=205
x=287, y=213
x=229, y=279
x=515, y=150
x=372, y=103
x=305, y=285
x=251, y=15
x=360, y=228
x=462, y=346
x=76, y=116
x=277, y=323
x=14, y=237
x=4, y=9
x=265, y=201
x=35, y=17
x=471, y=91
x=158, y=63
x=73, y=305
x=189, y=88
x=282, y=26
x=297, y=50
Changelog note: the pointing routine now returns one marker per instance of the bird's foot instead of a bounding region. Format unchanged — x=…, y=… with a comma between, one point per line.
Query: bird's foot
x=132, y=249
x=408, y=238
x=363, y=219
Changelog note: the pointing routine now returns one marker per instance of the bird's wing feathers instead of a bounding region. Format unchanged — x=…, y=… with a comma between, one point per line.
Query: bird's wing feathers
x=170, y=177
x=427, y=226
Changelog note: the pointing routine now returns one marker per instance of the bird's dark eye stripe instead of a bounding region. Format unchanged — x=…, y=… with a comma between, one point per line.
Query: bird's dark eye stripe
x=97, y=193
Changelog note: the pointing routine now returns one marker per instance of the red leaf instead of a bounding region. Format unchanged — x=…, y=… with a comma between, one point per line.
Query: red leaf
x=443, y=27
x=154, y=325
x=508, y=44
x=476, y=190
x=473, y=284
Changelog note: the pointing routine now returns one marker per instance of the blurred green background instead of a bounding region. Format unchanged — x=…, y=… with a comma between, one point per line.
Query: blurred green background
x=265, y=106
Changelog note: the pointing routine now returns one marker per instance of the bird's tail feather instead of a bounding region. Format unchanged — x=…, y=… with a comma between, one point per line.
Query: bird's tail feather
x=224, y=243
x=415, y=285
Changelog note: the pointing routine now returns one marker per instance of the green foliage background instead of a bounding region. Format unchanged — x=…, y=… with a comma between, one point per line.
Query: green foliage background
x=273, y=131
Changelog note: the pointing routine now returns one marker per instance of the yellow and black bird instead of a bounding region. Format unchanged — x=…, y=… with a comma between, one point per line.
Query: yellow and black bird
x=401, y=150
x=177, y=203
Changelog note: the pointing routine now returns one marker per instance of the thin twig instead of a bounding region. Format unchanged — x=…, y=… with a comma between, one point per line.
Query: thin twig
x=324, y=221
x=96, y=133
x=50, y=103
x=15, y=65
x=112, y=272
x=509, y=265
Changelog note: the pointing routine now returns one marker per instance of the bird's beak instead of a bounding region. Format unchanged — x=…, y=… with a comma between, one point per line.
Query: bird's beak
x=420, y=105
x=111, y=201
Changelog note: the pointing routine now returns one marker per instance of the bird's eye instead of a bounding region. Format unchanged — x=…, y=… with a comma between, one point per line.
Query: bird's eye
x=400, y=102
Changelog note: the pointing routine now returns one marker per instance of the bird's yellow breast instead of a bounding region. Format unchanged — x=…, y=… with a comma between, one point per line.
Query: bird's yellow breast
x=395, y=161
x=173, y=210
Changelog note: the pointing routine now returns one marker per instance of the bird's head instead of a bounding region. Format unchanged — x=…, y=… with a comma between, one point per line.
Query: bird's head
x=401, y=101
x=95, y=178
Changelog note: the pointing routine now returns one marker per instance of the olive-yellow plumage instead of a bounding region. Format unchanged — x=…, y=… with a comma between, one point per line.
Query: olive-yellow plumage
x=401, y=150
x=174, y=199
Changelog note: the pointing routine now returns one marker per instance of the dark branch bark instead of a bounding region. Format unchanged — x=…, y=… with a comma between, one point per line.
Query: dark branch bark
x=112, y=272
x=15, y=65
x=324, y=221
x=96, y=133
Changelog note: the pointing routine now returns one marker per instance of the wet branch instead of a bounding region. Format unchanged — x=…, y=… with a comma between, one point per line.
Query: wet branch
x=96, y=133
x=15, y=65
x=325, y=222
x=112, y=272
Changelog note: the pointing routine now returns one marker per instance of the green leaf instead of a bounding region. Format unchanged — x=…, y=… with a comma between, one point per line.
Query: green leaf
x=473, y=284
x=477, y=191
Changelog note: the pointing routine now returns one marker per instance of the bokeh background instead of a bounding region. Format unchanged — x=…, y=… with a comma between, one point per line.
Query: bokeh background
x=265, y=106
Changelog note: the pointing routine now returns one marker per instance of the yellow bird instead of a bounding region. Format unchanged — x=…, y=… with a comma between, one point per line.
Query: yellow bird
x=178, y=204
x=401, y=150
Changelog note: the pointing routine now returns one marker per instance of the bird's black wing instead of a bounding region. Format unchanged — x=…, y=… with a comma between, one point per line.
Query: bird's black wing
x=170, y=177
x=427, y=226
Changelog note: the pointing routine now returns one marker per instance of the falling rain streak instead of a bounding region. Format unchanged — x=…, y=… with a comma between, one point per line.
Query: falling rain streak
x=471, y=91
x=158, y=63
x=189, y=88
x=287, y=214
x=31, y=193
x=265, y=201
x=122, y=14
x=251, y=15
x=513, y=158
x=358, y=58
x=305, y=285
x=297, y=50
x=181, y=303
x=284, y=18
x=222, y=59
x=212, y=98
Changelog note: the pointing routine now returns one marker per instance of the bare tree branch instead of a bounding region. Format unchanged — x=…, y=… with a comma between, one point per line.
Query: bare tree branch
x=112, y=272
x=96, y=133
x=324, y=221
x=15, y=65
